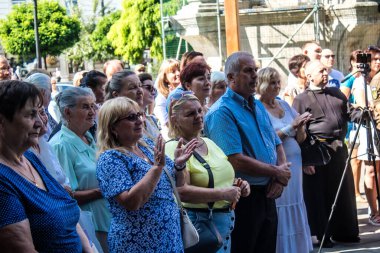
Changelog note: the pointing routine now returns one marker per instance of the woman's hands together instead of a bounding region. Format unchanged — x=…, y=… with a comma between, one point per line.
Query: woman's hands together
x=301, y=120
x=182, y=153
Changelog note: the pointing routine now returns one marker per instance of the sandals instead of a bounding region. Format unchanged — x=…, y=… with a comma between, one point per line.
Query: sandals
x=374, y=219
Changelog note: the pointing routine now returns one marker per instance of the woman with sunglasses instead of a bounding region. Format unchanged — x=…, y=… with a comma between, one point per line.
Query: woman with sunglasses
x=186, y=122
x=75, y=148
x=145, y=217
x=152, y=129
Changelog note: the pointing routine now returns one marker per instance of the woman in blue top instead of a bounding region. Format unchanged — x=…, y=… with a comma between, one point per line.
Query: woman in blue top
x=145, y=217
x=37, y=214
x=76, y=150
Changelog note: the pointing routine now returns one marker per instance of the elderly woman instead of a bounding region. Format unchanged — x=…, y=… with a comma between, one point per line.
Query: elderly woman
x=43, y=83
x=125, y=83
x=96, y=81
x=151, y=125
x=145, y=217
x=293, y=232
x=37, y=214
x=76, y=150
x=218, y=86
x=186, y=122
x=167, y=81
x=47, y=155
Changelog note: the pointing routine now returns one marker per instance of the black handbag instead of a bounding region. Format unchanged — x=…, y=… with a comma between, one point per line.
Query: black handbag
x=313, y=151
x=210, y=240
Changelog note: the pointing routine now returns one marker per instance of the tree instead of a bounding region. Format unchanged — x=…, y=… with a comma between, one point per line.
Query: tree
x=57, y=30
x=102, y=46
x=138, y=28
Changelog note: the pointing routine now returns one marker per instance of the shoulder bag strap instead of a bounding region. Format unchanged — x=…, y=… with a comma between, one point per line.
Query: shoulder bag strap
x=210, y=175
x=174, y=188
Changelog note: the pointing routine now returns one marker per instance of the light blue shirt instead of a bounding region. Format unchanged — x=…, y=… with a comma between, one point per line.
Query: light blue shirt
x=238, y=128
x=79, y=163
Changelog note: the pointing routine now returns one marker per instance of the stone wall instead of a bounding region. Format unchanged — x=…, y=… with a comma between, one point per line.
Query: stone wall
x=344, y=26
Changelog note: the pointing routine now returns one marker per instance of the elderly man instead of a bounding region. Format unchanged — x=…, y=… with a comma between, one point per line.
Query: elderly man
x=240, y=126
x=5, y=69
x=329, y=108
x=335, y=76
x=111, y=67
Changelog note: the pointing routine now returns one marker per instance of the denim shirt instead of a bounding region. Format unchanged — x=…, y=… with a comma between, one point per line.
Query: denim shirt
x=238, y=128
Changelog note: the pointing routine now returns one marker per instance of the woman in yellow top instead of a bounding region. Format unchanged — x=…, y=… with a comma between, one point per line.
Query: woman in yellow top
x=186, y=121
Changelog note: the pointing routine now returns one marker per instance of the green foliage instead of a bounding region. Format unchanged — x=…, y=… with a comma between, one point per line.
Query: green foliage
x=102, y=47
x=137, y=29
x=57, y=30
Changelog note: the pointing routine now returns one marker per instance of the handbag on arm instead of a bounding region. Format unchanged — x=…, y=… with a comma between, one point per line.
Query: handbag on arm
x=210, y=239
x=190, y=235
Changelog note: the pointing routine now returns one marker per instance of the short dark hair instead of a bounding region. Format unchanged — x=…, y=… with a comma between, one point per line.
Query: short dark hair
x=187, y=57
x=145, y=76
x=14, y=94
x=92, y=79
x=191, y=71
x=296, y=62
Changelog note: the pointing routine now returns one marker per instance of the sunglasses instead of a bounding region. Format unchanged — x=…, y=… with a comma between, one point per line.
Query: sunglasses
x=179, y=95
x=149, y=88
x=132, y=117
x=329, y=55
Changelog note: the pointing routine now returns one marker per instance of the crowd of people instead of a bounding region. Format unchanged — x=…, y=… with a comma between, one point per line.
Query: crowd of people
x=90, y=168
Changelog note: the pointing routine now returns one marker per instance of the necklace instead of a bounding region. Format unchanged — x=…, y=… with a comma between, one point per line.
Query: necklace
x=139, y=153
x=280, y=112
x=31, y=172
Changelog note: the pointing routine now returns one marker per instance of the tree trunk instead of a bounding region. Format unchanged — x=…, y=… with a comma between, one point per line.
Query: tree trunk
x=45, y=62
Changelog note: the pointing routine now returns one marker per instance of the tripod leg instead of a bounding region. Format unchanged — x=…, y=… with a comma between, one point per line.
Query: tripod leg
x=371, y=122
x=333, y=207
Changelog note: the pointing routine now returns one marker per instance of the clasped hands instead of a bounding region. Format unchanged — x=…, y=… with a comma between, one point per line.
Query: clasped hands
x=279, y=181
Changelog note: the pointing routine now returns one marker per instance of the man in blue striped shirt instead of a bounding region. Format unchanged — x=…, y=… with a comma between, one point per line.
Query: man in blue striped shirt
x=240, y=126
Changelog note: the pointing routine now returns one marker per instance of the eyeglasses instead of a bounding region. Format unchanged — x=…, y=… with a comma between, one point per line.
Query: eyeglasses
x=131, y=117
x=149, y=88
x=329, y=55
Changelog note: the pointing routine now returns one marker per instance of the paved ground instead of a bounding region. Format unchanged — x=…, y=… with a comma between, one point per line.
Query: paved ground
x=369, y=234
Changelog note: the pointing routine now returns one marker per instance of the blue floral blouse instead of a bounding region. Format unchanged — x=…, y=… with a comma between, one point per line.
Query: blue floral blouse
x=155, y=227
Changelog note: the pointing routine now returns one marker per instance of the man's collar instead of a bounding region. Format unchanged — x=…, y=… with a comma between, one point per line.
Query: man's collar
x=238, y=98
x=313, y=87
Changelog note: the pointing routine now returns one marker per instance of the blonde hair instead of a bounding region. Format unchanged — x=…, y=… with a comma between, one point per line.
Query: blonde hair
x=264, y=76
x=176, y=107
x=162, y=83
x=110, y=112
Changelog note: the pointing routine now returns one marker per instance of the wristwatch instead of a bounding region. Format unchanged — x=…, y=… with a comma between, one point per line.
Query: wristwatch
x=179, y=167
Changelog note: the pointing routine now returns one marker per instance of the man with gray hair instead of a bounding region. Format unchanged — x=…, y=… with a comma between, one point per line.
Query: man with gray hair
x=240, y=126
